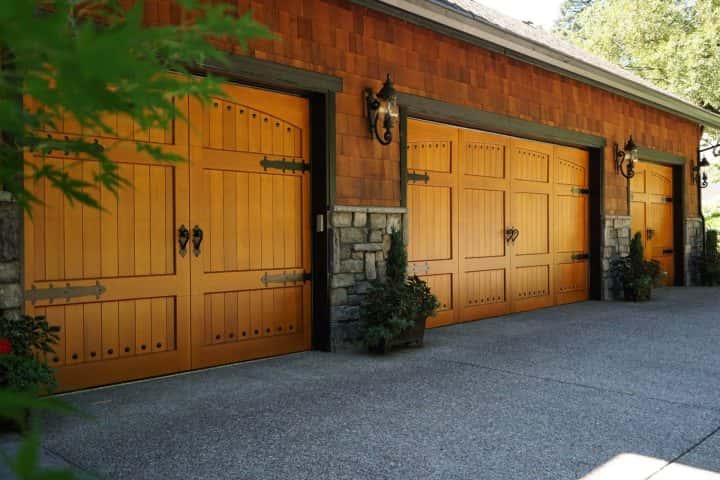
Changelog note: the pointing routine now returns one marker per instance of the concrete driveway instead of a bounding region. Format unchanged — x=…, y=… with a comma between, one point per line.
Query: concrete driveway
x=592, y=390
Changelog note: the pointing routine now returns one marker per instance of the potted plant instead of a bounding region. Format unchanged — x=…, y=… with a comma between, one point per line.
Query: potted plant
x=709, y=263
x=25, y=342
x=395, y=310
x=635, y=275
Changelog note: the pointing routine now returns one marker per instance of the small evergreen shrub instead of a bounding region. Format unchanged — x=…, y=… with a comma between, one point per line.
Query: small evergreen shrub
x=709, y=263
x=634, y=275
x=395, y=305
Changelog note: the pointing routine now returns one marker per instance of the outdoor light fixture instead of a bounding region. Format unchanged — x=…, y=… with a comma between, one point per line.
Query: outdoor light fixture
x=699, y=177
x=627, y=158
x=382, y=107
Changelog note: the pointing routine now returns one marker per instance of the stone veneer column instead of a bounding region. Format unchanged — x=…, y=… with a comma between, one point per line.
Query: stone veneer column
x=10, y=248
x=694, y=243
x=361, y=242
x=616, y=243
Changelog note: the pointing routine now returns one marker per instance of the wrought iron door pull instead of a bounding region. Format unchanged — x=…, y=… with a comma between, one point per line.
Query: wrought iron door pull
x=650, y=233
x=183, y=239
x=197, y=238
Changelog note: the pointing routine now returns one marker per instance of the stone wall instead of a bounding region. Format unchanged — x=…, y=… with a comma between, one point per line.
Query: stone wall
x=694, y=244
x=616, y=243
x=361, y=242
x=10, y=243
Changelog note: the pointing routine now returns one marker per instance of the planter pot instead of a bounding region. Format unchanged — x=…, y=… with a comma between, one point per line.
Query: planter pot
x=637, y=294
x=412, y=336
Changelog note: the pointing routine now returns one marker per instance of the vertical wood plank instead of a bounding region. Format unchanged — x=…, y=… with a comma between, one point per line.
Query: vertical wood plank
x=74, y=334
x=217, y=227
x=231, y=316
x=171, y=329
x=216, y=126
x=256, y=313
x=279, y=221
x=244, y=316
x=230, y=208
x=54, y=239
x=110, y=330
x=126, y=223
x=158, y=326
x=241, y=125
x=228, y=126
x=109, y=233
x=56, y=317
x=142, y=220
x=126, y=328
x=91, y=225
x=266, y=221
x=242, y=222
x=143, y=322
x=218, y=317
x=158, y=221
x=93, y=332
x=73, y=228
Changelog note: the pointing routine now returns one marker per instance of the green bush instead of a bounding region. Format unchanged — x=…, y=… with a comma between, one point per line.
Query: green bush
x=395, y=305
x=634, y=275
x=709, y=263
x=25, y=342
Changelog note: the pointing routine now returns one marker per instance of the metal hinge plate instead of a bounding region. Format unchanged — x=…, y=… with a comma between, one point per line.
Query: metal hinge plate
x=668, y=250
x=581, y=191
x=284, y=165
x=668, y=199
x=285, y=277
x=580, y=256
x=418, y=177
x=67, y=292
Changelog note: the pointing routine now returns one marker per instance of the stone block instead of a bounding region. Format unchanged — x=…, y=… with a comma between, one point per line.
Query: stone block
x=345, y=252
x=368, y=247
x=338, y=296
x=360, y=219
x=9, y=272
x=375, y=236
x=355, y=299
x=342, y=280
x=342, y=313
x=11, y=296
x=9, y=232
x=351, y=266
x=370, y=271
x=394, y=222
x=378, y=220
x=361, y=287
x=360, y=277
x=353, y=235
x=6, y=197
x=386, y=243
x=342, y=219
x=623, y=233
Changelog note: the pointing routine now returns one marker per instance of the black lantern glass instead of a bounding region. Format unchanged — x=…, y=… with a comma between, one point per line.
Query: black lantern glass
x=382, y=107
x=699, y=176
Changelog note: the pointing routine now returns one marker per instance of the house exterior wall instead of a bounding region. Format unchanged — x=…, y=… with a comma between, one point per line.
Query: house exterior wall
x=360, y=46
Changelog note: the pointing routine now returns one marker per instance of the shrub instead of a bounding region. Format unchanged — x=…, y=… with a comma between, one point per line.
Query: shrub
x=25, y=342
x=709, y=263
x=393, y=306
x=635, y=275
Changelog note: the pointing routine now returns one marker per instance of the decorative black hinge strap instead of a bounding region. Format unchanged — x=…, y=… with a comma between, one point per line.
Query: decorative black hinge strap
x=668, y=199
x=581, y=191
x=580, y=256
x=418, y=177
x=285, y=277
x=668, y=250
x=67, y=292
x=284, y=165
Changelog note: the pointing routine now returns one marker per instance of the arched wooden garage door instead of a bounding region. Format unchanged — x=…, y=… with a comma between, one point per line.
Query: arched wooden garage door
x=652, y=214
x=129, y=302
x=497, y=224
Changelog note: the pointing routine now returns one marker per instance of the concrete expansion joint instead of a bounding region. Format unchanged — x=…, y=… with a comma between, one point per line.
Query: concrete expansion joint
x=583, y=385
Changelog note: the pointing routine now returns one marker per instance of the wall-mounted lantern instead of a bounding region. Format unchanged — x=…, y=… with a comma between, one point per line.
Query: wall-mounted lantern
x=382, y=107
x=699, y=177
x=626, y=159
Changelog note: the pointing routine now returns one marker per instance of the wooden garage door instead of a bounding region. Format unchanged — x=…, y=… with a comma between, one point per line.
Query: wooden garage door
x=249, y=296
x=125, y=312
x=139, y=307
x=497, y=224
x=652, y=213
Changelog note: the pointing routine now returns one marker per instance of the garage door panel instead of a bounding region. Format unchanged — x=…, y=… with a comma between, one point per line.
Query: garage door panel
x=483, y=224
x=430, y=156
x=485, y=287
x=531, y=162
x=441, y=286
x=430, y=223
x=659, y=181
x=572, y=228
x=484, y=159
x=250, y=297
x=531, y=216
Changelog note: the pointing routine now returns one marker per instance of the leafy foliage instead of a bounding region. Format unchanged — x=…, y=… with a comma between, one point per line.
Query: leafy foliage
x=395, y=305
x=25, y=464
x=25, y=367
x=635, y=275
x=569, y=11
x=89, y=59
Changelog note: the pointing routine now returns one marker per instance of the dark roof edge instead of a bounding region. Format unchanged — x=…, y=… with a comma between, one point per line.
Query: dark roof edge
x=450, y=22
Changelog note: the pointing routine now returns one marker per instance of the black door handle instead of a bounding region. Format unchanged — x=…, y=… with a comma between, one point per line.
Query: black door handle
x=183, y=239
x=515, y=235
x=197, y=238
